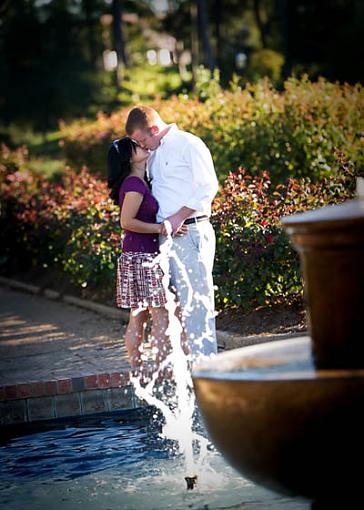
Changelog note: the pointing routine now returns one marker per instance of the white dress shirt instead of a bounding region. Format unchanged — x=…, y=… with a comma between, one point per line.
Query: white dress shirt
x=182, y=174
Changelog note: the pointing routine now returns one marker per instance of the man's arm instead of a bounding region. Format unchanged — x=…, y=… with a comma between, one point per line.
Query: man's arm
x=177, y=219
x=204, y=183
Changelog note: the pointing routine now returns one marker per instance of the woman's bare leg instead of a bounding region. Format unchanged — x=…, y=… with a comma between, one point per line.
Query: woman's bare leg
x=134, y=337
x=160, y=341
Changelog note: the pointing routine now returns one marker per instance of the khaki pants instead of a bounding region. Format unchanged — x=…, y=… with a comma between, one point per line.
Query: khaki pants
x=191, y=261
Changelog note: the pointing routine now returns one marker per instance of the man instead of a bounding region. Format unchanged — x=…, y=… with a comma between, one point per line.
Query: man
x=184, y=183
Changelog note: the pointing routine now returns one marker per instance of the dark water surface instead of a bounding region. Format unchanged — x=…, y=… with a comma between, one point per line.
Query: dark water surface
x=116, y=462
x=66, y=450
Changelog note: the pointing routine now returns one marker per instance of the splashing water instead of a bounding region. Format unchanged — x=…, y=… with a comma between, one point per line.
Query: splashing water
x=117, y=462
x=178, y=411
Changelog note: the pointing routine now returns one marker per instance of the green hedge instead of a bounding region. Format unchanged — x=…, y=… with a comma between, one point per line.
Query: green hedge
x=292, y=133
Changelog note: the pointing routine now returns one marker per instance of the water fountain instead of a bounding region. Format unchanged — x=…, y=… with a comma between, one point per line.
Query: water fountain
x=288, y=414
x=121, y=462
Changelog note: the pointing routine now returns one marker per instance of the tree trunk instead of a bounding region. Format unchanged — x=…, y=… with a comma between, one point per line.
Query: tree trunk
x=118, y=38
x=284, y=22
x=217, y=21
x=203, y=23
x=260, y=23
x=194, y=42
x=90, y=26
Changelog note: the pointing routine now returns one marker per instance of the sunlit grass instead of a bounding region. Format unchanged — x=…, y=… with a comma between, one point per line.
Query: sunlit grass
x=46, y=166
x=45, y=155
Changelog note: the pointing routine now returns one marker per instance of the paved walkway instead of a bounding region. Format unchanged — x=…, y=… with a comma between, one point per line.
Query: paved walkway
x=42, y=340
x=58, y=359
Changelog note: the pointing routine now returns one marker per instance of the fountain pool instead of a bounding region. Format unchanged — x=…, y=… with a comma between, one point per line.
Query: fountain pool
x=117, y=462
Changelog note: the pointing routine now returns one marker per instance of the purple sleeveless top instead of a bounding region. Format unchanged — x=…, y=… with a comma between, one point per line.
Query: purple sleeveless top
x=135, y=241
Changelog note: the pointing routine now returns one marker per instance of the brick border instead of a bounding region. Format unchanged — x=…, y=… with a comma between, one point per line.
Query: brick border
x=81, y=403
x=64, y=386
x=76, y=396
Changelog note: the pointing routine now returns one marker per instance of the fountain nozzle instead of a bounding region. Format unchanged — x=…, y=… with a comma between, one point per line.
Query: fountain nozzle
x=191, y=482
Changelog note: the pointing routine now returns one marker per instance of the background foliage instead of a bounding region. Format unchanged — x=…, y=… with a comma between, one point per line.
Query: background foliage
x=70, y=224
x=290, y=133
x=272, y=86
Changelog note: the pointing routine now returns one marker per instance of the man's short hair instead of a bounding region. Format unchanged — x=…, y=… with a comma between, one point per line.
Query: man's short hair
x=141, y=117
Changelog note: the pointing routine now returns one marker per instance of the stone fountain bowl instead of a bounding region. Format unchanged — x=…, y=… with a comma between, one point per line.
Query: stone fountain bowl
x=283, y=424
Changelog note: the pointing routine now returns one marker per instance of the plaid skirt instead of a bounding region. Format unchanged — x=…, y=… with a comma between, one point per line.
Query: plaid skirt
x=139, y=284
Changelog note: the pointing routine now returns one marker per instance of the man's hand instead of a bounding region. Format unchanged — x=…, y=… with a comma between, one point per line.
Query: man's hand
x=174, y=224
x=176, y=221
x=166, y=229
x=182, y=230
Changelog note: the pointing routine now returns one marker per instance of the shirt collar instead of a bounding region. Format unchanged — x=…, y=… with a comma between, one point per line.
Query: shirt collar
x=172, y=129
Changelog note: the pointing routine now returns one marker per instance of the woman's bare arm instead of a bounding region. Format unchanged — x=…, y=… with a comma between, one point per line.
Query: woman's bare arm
x=129, y=210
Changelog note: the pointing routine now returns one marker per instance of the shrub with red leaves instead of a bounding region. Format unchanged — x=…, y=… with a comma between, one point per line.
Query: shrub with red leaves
x=72, y=225
x=255, y=262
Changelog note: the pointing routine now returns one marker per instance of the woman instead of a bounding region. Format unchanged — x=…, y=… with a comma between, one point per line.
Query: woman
x=139, y=283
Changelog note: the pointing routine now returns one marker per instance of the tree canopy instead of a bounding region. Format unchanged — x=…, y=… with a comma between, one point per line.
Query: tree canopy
x=52, y=52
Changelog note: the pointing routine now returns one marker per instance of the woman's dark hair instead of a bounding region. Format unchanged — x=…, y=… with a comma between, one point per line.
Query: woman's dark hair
x=118, y=165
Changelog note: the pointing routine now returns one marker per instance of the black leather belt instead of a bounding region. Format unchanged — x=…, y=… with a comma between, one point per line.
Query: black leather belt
x=196, y=219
